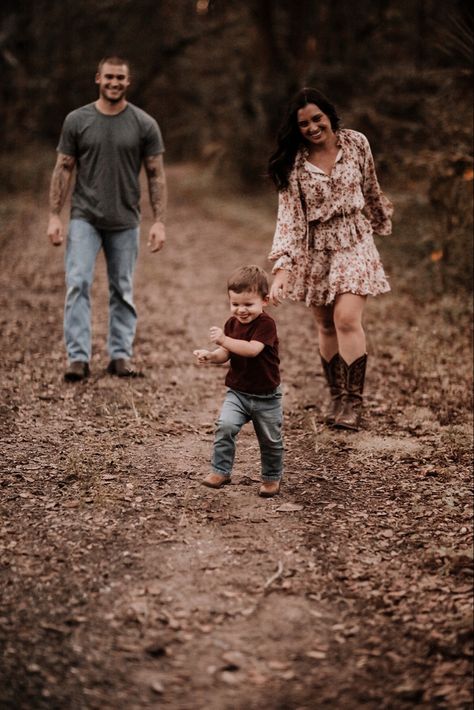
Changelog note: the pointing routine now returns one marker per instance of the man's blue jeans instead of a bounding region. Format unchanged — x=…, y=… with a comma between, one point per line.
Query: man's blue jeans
x=121, y=249
x=265, y=412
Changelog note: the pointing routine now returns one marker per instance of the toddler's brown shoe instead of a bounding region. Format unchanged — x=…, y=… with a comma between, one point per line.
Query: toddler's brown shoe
x=215, y=480
x=268, y=489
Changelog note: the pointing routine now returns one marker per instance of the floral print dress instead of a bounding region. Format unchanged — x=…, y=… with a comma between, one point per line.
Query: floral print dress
x=325, y=225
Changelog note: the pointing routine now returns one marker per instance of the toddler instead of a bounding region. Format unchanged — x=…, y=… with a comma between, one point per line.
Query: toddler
x=249, y=340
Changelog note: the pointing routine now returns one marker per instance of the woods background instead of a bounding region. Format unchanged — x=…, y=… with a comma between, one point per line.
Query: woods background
x=217, y=74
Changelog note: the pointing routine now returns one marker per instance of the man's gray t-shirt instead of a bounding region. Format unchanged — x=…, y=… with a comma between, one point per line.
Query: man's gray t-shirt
x=109, y=152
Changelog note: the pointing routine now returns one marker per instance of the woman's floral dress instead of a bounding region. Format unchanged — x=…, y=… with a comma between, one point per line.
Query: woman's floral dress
x=325, y=226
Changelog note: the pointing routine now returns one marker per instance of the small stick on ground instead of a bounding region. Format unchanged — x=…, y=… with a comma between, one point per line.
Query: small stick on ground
x=275, y=576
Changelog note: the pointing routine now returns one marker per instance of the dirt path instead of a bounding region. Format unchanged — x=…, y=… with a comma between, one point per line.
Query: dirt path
x=127, y=584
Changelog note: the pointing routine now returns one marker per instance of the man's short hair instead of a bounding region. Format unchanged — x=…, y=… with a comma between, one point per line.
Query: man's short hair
x=249, y=278
x=113, y=59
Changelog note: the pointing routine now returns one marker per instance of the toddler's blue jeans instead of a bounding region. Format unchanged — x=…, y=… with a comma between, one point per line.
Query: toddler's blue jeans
x=120, y=248
x=265, y=412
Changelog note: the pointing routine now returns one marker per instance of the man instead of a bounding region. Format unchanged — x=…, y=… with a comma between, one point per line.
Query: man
x=106, y=143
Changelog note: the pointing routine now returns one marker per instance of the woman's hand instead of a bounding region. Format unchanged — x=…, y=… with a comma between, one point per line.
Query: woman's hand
x=279, y=287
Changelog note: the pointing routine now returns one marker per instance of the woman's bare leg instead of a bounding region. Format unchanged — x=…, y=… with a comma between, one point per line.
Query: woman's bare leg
x=330, y=361
x=350, y=336
x=348, y=310
x=327, y=337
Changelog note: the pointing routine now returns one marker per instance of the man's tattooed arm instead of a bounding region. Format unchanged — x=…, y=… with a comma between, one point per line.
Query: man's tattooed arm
x=60, y=182
x=155, y=172
x=58, y=190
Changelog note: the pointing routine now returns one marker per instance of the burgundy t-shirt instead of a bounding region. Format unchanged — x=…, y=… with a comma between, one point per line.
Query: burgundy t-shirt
x=260, y=374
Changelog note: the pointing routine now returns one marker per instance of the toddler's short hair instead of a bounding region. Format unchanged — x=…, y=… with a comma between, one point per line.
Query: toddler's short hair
x=249, y=278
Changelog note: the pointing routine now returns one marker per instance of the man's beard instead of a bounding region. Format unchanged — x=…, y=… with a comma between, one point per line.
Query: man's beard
x=113, y=99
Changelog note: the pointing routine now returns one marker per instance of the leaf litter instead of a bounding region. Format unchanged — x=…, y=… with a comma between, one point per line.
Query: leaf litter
x=126, y=583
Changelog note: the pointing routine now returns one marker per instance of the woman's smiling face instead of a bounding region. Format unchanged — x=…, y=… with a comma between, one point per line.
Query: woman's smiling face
x=314, y=125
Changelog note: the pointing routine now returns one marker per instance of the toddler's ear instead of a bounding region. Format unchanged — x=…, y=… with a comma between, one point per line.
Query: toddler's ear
x=266, y=300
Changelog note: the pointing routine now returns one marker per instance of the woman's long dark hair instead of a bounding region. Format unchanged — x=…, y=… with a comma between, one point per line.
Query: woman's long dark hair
x=289, y=138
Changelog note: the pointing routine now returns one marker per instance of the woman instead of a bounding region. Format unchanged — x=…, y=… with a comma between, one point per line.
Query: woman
x=330, y=204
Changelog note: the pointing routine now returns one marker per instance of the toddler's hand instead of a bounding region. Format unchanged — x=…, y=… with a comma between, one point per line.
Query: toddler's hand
x=216, y=335
x=202, y=356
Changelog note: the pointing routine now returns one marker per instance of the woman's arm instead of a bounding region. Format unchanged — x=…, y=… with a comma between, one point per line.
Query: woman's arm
x=378, y=208
x=290, y=230
x=286, y=230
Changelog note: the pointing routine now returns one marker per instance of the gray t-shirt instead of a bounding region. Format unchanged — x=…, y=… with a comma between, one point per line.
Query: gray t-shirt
x=109, y=152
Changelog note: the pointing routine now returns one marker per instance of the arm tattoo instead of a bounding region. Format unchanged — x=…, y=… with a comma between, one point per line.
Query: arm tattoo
x=155, y=172
x=60, y=182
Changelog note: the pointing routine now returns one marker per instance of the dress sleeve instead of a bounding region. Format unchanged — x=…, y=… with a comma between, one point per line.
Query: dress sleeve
x=378, y=208
x=290, y=230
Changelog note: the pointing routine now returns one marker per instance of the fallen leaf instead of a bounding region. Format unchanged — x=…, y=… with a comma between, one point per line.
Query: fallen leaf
x=289, y=507
x=230, y=678
x=233, y=659
x=153, y=588
x=278, y=665
x=157, y=687
x=318, y=655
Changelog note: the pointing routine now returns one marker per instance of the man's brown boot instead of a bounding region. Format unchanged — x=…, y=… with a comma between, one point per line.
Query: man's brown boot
x=350, y=413
x=76, y=371
x=334, y=373
x=123, y=368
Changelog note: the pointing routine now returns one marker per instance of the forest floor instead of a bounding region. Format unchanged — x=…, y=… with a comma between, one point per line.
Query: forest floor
x=125, y=583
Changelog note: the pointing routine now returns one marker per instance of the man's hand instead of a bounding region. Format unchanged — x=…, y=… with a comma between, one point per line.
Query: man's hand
x=55, y=230
x=203, y=356
x=156, y=237
x=216, y=335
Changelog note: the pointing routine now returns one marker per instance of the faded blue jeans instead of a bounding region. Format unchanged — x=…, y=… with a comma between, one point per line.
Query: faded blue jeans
x=121, y=249
x=265, y=412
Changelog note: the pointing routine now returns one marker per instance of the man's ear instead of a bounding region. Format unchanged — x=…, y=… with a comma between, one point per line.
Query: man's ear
x=97, y=78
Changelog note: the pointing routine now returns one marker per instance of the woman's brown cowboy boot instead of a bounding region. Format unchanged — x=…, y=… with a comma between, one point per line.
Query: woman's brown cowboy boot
x=349, y=414
x=334, y=374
